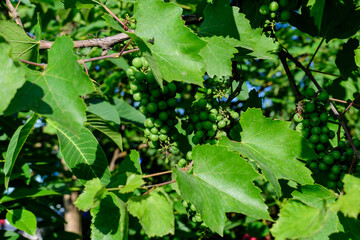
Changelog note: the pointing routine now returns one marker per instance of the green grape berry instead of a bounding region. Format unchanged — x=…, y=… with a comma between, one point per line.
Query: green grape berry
x=323, y=96
x=336, y=155
x=310, y=92
x=137, y=62
x=140, y=76
x=264, y=10
x=202, y=103
x=322, y=166
x=273, y=6
x=313, y=166
x=335, y=169
x=309, y=107
x=221, y=124
x=152, y=107
x=328, y=159
x=314, y=138
x=298, y=118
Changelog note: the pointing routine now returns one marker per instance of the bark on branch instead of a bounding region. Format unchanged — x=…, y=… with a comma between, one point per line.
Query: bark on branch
x=13, y=12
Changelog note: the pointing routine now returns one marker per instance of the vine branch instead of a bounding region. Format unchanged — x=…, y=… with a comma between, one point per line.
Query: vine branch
x=14, y=13
x=313, y=56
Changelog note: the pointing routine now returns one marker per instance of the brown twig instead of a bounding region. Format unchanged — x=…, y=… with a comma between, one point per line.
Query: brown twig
x=325, y=73
x=42, y=65
x=342, y=101
x=349, y=106
x=105, y=43
x=14, y=13
x=282, y=56
x=313, y=56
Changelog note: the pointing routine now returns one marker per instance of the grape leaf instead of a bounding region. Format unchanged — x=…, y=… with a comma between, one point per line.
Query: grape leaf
x=228, y=179
x=317, y=11
x=91, y=195
x=103, y=109
x=23, y=46
x=175, y=47
x=128, y=113
x=220, y=19
x=297, y=220
x=349, y=204
x=314, y=195
x=106, y=128
x=110, y=220
x=55, y=92
x=12, y=76
x=217, y=55
x=154, y=212
x=17, y=141
x=274, y=147
x=22, y=219
x=20, y=193
x=83, y=155
x=133, y=182
x=345, y=59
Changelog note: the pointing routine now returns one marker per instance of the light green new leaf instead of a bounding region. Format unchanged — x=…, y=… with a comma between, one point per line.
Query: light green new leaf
x=133, y=182
x=220, y=19
x=175, y=48
x=106, y=128
x=22, y=219
x=154, y=212
x=23, y=46
x=83, y=155
x=297, y=220
x=55, y=93
x=12, y=76
x=217, y=55
x=274, y=147
x=91, y=195
x=128, y=113
x=110, y=220
x=16, y=143
x=349, y=204
x=228, y=179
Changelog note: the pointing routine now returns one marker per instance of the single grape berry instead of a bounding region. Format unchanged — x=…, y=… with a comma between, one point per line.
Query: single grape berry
x=298, y=118
x=137, y=96
x=324, y=117
x=314, y=138
x=313, y=165
x=323, y=96
x=137, y=62
x=285, y=15
x=202, y=103
x=309, y=92
x=327, y=159
x=322, y=166
x=335, y=169
x=309, y=107
x=331, y=184
x=316, y=130
x=273, y=6
x=264, y=10
x=140, y=76
x=221, y=124
x=152, y=107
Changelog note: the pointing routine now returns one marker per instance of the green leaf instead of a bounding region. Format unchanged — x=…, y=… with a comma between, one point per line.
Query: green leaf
x=104, y=109
x=154, y=212
x=349, y=204
x=314, y=195
x=133, y=182
x=228, y=179
x=23, y=46
x=110, y=219
x=220, y=19
x=297, y=220
x=317, y=11
x=176, y=48
x=274, y=147
x=20, y=193
x=91, y=196
x=106, y=128
x=128, y=113
x=217, y=55
x=350, y=226
x=345, y=59
x=55, y=92
x=16, y=143
x=12, y=76
x=22, y=219
x=83, y=155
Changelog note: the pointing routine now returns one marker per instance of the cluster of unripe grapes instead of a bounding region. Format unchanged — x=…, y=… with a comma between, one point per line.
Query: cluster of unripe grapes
x=192, y=214
x=313, y=123
x=158, y=105
x=276, y=11
x=129, y=21
x=207, y=119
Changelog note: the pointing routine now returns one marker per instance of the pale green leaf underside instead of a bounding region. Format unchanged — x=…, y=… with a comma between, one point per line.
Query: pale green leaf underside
x=23, y=46
x=91, y=195
x=83, y=155
x=22, y=219
x=154, y=212
x=297, y=220
x=16, y=143
x=12, y=76
x=222, y=182
x=274, y=147
x=349, y=204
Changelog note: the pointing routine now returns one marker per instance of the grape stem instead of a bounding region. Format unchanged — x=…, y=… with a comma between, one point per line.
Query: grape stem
x=14, y=13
